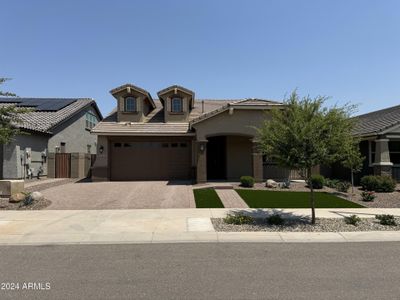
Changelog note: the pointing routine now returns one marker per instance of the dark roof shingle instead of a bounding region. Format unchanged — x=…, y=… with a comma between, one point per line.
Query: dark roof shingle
x=377, y=121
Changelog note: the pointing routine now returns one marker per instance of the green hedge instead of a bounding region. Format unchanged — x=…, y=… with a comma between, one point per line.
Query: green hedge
x=380, y=184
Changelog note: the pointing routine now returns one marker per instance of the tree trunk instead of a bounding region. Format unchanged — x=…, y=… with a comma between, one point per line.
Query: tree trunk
x=352, y=182
x=312, y=198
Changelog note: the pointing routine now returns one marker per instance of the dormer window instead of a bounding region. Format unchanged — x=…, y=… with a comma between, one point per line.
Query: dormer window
x=176, y=105
x=130, y=104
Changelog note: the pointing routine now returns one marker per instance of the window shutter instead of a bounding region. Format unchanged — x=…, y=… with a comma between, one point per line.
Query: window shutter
x=168, y=104
x=139, y=103
x=184, y=104
x=121, y=104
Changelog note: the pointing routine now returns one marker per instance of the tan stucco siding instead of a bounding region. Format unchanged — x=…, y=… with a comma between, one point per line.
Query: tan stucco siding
x=176, y=117
x=241, y=122
x=238, y=157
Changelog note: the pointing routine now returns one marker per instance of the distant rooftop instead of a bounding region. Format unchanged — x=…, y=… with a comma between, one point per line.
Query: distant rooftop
x=47, y=112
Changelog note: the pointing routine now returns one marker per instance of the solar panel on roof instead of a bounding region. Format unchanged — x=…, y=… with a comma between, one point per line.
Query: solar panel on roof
x=40, y=104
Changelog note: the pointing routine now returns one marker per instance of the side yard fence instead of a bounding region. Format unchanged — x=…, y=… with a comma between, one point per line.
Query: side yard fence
x=69, y=165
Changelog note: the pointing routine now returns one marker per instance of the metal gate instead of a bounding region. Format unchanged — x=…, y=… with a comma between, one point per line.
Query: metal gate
x=63, y=165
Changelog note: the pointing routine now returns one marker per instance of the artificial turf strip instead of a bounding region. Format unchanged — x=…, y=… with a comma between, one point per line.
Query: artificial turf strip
x=207, y=198
x=273, y=199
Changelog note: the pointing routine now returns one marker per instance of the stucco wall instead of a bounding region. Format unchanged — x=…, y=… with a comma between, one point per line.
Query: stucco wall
x=241, y=122
x=176, y=117
x=238, y=157
x=74, y=134
x=13, y=164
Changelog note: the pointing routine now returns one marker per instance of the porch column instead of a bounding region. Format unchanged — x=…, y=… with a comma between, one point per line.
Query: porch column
x=258, y=169
x=382, y=164
x=201, y=161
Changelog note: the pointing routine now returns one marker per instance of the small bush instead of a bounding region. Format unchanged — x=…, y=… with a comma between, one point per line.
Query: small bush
x=331, y=182
x=27, y=201
x=380, y=184
x=247, y=181
x=343, y=186
x=317, y=181
x=368, y=196
x=275, y=220
x=238, y=219
x=388, y=220
x=352, y=220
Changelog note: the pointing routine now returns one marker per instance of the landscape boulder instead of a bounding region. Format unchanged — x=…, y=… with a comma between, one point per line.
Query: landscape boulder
x=37, y=196
x=18, y=197
x=271, y=183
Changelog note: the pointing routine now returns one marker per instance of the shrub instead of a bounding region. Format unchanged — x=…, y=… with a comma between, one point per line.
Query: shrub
x=27, y=201
x=352, y=220
x=383, y=184
x=247, y=181
x=331, y=182
x=343, y=186
x=388, y=220
x=317, y=181
x=368, y=196
x=275, y=220
x=238, y=219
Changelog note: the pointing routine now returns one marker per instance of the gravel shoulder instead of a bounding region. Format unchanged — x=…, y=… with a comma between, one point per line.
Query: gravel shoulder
x=36, y=205
x=303, y=225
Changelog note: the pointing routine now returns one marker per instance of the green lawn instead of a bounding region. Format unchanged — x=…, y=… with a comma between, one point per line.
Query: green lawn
x=207, y=198
x=272, y=199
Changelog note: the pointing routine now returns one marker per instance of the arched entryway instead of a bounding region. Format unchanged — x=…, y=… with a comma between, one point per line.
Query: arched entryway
x=229, y=157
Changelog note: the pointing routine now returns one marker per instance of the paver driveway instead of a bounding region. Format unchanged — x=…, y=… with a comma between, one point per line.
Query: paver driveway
x=121, y=195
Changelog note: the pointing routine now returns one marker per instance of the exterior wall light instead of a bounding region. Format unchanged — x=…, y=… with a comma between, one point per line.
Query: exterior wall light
x=101, y=149
x=202, y=148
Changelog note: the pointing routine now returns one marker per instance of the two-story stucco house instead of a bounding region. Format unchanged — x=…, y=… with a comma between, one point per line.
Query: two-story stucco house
x=180, y=137
x=53, y=125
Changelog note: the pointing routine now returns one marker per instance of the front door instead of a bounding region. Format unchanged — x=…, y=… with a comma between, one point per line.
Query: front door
x=216, y=158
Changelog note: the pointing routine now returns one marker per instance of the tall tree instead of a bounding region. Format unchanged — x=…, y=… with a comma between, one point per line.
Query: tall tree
x=305, y=134
x=10, y=117
x=2, y=80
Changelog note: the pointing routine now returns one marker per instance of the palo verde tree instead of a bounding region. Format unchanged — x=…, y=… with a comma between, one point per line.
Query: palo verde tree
x=10, y=116
x=305, y=134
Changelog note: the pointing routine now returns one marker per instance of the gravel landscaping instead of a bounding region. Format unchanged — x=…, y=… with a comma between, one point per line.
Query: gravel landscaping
x=36, y=205
x=303, y=225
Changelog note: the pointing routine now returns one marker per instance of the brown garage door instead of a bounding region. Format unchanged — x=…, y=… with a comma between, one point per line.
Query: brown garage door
x=153, y=160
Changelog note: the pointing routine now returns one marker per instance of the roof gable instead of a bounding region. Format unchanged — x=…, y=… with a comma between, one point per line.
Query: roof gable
x=128, y=87
x=175, y=88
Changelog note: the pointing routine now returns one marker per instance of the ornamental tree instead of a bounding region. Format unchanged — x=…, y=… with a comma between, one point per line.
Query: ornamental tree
x=10, y=117
x=304, y=134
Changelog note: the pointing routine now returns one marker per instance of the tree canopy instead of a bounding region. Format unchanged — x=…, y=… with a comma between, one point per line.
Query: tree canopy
x=10, y=117
x=304, y=134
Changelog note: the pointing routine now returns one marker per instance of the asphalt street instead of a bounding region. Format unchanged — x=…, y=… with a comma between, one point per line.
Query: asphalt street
x=202, y=271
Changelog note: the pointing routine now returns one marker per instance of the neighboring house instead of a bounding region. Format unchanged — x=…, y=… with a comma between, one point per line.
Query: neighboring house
x=379, y=132
x=181, y=137
x=53, y=125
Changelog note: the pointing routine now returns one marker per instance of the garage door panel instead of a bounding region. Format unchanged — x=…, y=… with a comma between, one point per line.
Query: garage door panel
x=150, y=161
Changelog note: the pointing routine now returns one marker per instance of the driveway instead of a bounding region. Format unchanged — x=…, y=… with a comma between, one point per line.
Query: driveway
x=121, y=195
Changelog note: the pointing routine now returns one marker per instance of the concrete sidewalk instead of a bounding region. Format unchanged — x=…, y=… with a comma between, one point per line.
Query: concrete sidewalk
x=164, y=226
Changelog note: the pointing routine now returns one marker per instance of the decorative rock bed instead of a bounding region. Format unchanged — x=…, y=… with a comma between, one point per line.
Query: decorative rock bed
x=303, y=225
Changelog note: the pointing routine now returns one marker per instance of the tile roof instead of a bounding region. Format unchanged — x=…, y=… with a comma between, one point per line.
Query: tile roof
x=42, y=120
x=154, y=121
x=377, y=121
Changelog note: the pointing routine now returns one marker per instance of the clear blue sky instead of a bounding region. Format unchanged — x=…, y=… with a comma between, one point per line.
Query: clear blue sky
x=349, y=50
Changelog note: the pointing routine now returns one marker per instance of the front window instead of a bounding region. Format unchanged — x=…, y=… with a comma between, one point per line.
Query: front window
x=176, y=105
x=130, y=104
